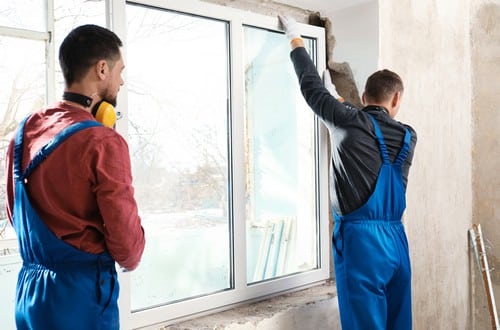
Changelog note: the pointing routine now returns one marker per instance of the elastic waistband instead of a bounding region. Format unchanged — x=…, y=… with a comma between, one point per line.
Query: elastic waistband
x=369, y=221
x=98, y=264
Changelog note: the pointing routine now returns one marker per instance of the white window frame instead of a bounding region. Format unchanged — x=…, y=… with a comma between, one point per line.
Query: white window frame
x=242, y=292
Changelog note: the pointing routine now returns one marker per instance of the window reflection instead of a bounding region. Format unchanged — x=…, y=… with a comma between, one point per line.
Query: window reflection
x=281, y=218
x=23, y=14
x=178, y=135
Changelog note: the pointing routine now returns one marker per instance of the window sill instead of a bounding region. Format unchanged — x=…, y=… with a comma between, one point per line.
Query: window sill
x=312, y=308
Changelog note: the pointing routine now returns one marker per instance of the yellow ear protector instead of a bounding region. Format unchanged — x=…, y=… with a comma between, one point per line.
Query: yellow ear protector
x=103, y=111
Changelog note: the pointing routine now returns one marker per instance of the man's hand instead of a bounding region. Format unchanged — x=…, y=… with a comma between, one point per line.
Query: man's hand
x=290, y=26
x=327, y=81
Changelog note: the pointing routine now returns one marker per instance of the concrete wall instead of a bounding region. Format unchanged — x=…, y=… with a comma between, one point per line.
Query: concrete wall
x=356, y=31
x=485, y=42
x=427, y=42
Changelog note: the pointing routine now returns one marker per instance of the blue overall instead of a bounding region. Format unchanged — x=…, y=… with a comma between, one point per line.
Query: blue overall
x=59, y=286
x=372, y=263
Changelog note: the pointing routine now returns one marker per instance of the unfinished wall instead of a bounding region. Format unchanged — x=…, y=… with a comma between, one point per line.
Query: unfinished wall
x=266, y=7
x=485, y=42
x=427, y=42
x=356, y=31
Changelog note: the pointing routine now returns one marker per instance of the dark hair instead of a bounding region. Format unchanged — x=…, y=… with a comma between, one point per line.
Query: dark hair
x=85, y=46
x=382, y=84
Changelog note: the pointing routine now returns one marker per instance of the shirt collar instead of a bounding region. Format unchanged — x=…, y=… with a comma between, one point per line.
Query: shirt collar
x=376, y=109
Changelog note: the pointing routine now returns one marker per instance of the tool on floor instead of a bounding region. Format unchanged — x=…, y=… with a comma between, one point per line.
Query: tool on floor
x=476, y=236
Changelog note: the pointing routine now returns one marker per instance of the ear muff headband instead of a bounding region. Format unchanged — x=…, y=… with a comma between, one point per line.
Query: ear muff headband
x=77, y=98
x=105, y=113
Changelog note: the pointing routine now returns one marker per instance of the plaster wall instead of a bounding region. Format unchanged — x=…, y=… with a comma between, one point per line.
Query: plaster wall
x=427, y=43
x=356, y=30
x=485, y=42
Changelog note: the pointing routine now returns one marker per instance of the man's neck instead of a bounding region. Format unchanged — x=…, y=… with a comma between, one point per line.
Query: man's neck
x=85, y=99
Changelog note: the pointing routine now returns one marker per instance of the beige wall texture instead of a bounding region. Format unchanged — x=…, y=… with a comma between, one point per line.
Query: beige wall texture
x=427, y=42
x=448, y=52
x=485, y=42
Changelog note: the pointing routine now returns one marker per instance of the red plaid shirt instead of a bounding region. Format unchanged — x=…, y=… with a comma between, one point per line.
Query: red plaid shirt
x=83, y=190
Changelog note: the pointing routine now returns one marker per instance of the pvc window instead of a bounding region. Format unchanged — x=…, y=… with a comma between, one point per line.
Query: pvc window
x=227, y=158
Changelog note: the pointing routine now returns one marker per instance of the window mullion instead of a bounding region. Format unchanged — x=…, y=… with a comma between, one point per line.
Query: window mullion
x=116, y=21
x=23, y=33
x=238, y=147
x=323, y=204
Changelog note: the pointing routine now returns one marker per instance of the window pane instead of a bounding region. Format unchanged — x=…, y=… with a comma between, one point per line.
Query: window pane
x=178, y=134
x=23, y=14
x=281, y=216
x=69, y=14
x=22, y=90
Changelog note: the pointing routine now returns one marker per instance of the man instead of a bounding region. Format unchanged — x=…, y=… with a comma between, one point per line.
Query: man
x=70, y=196
x=371, y=156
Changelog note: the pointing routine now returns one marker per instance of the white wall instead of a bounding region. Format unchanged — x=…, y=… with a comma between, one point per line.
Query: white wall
x=356, y=30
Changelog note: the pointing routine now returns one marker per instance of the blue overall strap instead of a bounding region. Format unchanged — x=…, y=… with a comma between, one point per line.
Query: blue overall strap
x=18, y=149
x=381, y=142
x=403, y=153
x=54, y=143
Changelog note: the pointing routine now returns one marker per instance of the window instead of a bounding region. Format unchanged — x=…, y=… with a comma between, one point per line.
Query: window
x=225, y=157
x=178, y=134
x=228, y=163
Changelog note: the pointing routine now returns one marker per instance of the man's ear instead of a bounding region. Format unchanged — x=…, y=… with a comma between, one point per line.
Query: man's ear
x=101, y=68
x=396, y=100
x=363, y=100
x=395, y=103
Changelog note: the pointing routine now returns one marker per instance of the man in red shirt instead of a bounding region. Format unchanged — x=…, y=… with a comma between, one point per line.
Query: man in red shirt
x=71, y=201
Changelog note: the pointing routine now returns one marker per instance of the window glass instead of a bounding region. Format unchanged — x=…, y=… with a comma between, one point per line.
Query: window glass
x=22, y=90
x=69, y=14
x=23, y=14
x=281, y=219
x=178, y=136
